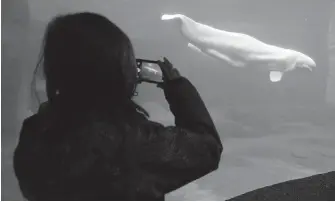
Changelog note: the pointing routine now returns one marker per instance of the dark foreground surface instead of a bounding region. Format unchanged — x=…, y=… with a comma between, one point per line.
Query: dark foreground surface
x=316, y=188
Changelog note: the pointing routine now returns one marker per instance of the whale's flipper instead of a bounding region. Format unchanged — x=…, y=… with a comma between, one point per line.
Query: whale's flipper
x=275, y=76
x=194, y=47
x=226, y=58
x=197, y=49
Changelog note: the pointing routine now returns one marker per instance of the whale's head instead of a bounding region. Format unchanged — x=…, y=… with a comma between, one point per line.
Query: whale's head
x=300, y=61
x=305, y=62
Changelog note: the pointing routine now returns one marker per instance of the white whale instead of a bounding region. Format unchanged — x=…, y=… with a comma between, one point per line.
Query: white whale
x=240, y=50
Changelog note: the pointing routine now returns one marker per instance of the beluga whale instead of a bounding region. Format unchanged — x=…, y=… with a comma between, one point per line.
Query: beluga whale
x=240, y=50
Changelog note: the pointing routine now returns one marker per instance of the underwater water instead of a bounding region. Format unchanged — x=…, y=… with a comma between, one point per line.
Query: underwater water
x=273, y=128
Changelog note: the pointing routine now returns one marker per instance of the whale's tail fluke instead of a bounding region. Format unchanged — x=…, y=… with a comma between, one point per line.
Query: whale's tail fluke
x=171, y=16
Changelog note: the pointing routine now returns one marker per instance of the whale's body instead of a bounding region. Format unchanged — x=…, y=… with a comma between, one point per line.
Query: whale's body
x=240, y=50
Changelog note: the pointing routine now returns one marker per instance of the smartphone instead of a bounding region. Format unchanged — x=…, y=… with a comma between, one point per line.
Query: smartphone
x=149, y=71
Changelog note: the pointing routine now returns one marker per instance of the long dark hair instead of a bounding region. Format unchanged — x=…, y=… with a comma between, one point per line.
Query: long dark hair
x=88, y=61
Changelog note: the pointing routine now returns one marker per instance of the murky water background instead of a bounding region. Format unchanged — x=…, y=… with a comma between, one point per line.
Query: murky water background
x=271, y=133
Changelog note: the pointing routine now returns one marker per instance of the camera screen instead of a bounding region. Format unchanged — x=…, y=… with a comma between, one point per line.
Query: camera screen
x=150, y=71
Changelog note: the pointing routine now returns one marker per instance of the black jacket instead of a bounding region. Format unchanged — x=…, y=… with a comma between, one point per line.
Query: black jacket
x=89, y=157
x=314, y=188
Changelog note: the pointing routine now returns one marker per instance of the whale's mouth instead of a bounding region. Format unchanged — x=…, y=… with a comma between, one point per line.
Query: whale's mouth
x=305, y=67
